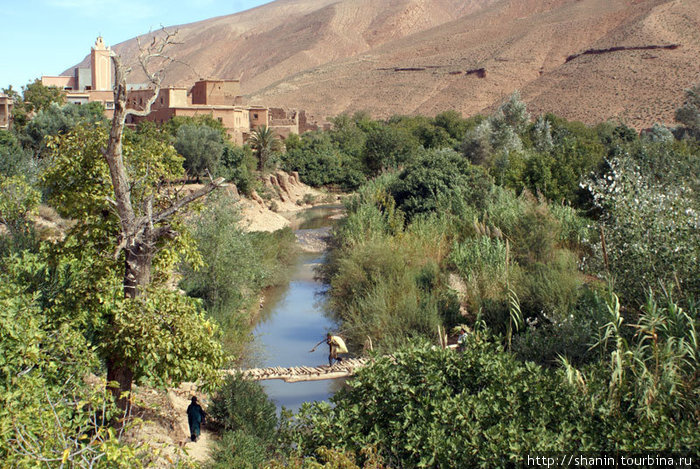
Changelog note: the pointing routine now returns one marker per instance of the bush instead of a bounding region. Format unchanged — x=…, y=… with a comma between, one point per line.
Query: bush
x=436, y=408
x=428, y=407
x=237, y=266
x=320, y=162
x=202, y=147
x=650, y=206
x=237, y=165
x=438, y=176
x=240, y=450
x=241, y=406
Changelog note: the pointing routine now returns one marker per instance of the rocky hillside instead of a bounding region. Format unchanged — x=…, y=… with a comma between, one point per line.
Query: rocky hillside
x=589, y=60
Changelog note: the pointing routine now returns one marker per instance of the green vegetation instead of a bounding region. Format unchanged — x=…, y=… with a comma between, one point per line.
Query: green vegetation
x=428, y=407
x=265, y=144
x=67, y=313
x=234, y=267
x=520, y=229
x=249, y=422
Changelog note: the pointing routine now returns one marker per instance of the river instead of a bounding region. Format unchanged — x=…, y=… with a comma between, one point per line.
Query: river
x=292, y=319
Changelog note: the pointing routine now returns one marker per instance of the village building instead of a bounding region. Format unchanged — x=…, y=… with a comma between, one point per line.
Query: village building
x=6, y=105
x=89, y=84
x=219, y=98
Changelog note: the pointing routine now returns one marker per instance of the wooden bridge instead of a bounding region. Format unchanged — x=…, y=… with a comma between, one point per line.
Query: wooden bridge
x=296, y=374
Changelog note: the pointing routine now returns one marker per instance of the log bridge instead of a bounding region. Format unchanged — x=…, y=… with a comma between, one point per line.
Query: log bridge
x=295, y=374
x=342, y=369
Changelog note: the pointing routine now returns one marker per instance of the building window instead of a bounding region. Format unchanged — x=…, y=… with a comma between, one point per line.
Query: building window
x=109, y=105
x=255, y=116
x=161, y=100
x=220, y=119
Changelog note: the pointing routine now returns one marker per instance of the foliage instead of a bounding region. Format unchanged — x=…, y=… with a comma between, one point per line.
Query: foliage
x=15, y=160
x=689, y=113
x=38, y=97
x=249, y=422
x=547, y=338
x=201, y=146
x=319, y=162
x=54, y=120
x=236, y=267
x=651, y=214
x=428, y=407
x=237, y=165
x=437, y=176
x=35, y=97
x=49, y=412
x=242, y=404
x=164, y=338
x=388, y=147
x=265, y=144
x=239, y=449
x=172, y=126
x=18, y=200
x=328, y=458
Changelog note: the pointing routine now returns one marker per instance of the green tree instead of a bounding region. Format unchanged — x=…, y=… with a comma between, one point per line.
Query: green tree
x=35, y=97
x=439, y=176
x=15, y=160
x=56, y=119
x=651, y=213
x=38, y=97
x=388, y=147
x=265, y=144
x=18, y=200
x=136, y=331
x=689, y=113
x=202, y=147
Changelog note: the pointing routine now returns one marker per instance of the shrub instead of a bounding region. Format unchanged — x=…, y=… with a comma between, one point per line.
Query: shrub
x=237, y=266
x=439, y=175
x=202, y=147
x=435, y=408
x=240, y=450
x=242, y=405
x=650, y=208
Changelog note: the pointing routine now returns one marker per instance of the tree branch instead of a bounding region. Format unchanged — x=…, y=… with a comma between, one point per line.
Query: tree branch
x=170, y=211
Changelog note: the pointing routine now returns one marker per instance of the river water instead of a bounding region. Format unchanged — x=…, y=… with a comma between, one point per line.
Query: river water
x=292, y=320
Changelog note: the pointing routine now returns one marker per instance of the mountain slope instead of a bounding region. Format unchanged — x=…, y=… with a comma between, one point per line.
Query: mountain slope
x=425, y=56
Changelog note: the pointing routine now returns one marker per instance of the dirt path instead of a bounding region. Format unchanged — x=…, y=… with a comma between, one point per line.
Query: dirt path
x=202, y=449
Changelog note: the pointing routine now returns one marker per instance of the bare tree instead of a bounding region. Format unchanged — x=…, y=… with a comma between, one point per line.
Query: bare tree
x=139, y=234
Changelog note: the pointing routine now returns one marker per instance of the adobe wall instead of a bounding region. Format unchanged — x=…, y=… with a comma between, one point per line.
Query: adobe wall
x=62, y=82
x=216, y=92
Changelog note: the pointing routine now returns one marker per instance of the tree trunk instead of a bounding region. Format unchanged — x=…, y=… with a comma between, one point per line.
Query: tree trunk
x=124, y=376
x=137, y=276
x=137, y=269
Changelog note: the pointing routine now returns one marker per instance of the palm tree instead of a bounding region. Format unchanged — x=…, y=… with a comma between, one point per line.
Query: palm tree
x=264, y=142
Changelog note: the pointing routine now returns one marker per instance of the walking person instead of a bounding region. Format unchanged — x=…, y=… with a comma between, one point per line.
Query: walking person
x=336, y=345
x=195, y=417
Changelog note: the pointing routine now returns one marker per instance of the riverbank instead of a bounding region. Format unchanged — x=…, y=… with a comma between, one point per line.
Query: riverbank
x=280, y=197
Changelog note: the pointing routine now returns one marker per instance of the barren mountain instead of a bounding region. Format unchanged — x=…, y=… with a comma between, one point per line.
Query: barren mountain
x=589, y=60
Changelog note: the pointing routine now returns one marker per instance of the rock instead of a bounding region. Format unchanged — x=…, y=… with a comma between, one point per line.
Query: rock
x=254, y=195
x=233, y=190
x=283, y=180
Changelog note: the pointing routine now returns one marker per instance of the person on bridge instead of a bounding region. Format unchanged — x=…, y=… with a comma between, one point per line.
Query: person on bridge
x=336, y=345
x=195, y=417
